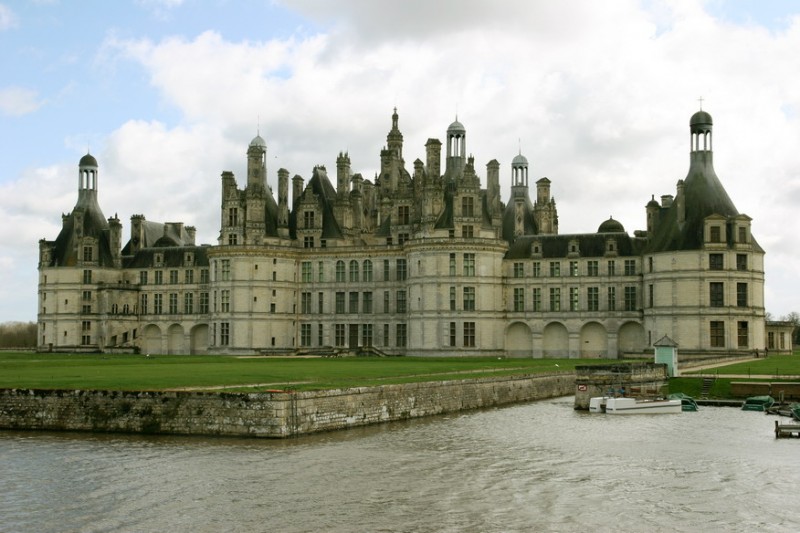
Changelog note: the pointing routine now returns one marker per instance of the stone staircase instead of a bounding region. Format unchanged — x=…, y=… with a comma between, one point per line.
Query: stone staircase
x=706, y=387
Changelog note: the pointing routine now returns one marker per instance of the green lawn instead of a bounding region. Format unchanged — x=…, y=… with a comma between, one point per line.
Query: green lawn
x=138, y=372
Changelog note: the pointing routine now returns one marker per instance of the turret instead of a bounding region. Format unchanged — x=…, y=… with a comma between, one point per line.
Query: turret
x=257, y=163
x=433, y=155
x=343, y=173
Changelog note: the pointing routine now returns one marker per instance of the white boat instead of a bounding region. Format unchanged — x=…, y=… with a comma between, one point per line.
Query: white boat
x=630, y=406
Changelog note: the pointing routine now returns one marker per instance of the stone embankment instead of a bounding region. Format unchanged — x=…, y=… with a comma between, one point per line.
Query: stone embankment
x=275, y=414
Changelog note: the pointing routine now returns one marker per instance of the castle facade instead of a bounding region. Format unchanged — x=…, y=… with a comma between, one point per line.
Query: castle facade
x=426, y=260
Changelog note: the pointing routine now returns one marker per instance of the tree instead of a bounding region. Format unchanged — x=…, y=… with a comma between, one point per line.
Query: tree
x=18, y=335
x=794, y=318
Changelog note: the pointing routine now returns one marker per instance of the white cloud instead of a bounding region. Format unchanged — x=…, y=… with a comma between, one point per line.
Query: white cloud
x=7, y=18
x=17, y=101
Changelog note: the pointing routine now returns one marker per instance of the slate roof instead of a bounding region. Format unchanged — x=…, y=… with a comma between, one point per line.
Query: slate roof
x=94, y=225
x=589, y=245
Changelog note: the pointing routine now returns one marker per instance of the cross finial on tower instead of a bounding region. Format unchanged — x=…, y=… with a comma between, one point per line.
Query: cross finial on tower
x=701, y=102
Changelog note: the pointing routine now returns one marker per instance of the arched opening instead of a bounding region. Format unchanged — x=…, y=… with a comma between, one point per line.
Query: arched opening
x=175, y=340
x=151, y=339
x=555, y=340
x=594, y=340
x=631, y=338
x=519, y=341
x=198, y=340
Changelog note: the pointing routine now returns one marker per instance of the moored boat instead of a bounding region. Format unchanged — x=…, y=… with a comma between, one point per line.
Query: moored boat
x=619, y=406
x=630, y=406
x=687, y=402
x=758, y=403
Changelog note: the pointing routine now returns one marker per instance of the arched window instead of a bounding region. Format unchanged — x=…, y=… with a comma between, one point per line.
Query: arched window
x=353, y=270
x=340, y=271
x=367, y=270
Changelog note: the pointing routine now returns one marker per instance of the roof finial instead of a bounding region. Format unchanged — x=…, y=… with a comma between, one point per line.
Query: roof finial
x=258, y=125
x=519, y=145
x=701, y=102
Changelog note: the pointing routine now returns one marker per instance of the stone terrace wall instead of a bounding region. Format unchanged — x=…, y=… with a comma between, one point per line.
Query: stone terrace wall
x=267, y=414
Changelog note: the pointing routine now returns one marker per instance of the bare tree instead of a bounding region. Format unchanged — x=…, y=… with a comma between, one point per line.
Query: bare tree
x=18, y=335
x=794, y=318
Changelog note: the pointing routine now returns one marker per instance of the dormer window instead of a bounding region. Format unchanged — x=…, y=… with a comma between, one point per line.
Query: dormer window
x=158, y=259
x=714, y=234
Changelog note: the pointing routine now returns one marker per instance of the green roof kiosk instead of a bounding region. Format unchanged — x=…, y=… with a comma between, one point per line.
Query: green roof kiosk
x=667, y=353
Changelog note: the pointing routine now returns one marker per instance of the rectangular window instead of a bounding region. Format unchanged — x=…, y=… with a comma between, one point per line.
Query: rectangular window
x=612, y=268
x=537, y=269
x=204, y=275
x=742, y=234
x=353, y=271
x=366, y=306
x=469, y=264
x=321, y=271
x=306, y=275
x=467, y=206
x=519, y=299
x=555, y=298
x=651, y=295
x=452, y=298
x=452, y=264
x=403, y=215
x=717, y=330
x=469, y=298
x=352, y=306
x=630, y=267
x=188, y=276
x=741, y=295
x=402, y=273
x=469, y=334
x=308, y=241
x=574, y=299
x=401, y=301
x=203, y=303
x=159, y=277
x=173, y=303
x=612, y=299
x=592, y=268
x=386, y=334
x=400, y=340
x=225, y=300
x=308, y=219
x=305, y=303
x=339, y=334
x=158, y=303
x=173, y=277
x=385, y=301
x=715, y=262
x=144, y=304
x=366, y=335
x=233, y=216
x=537, y=299
x=742, y=334
x=188, y=303
x=340, y=302
x=555, y=269
x=143, y=277
x=385, y=270
x=715, y=234
x=224, y=333
x=593, y=298
x=741, y=261
x=225, y=267
x=573, y=268
x=716, y=296
x=321, y=302
x=452, y=334
x=87, y=295
x=320, y=338
x=467, y=231
x=305, y=334
x=630, y=298
x=519, y=270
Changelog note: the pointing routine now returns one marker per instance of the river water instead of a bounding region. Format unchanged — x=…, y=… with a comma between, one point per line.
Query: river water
x=533, y=467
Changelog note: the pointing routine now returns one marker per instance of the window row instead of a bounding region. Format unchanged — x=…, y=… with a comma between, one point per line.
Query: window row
x=574, y=302
x=573, y=268
x=354, y=335
x=174, y=277
x=717, y=338
x=173, y=305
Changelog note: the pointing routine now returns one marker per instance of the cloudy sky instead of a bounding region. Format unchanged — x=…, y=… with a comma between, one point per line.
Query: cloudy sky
x=597, y=95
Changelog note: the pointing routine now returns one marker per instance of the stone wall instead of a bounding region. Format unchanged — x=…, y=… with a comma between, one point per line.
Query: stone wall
x=265, y=414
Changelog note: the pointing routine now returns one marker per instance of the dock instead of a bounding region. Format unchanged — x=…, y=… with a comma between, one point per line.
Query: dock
x=785, y=431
